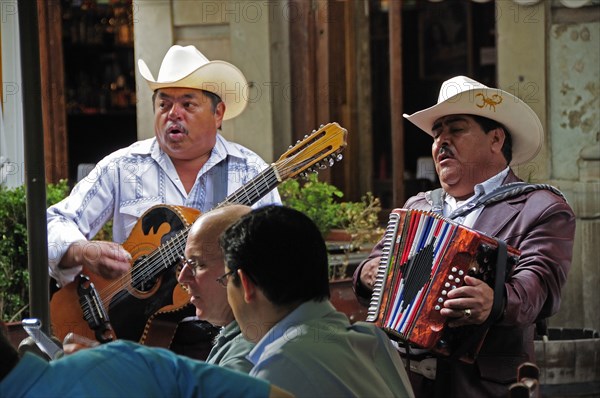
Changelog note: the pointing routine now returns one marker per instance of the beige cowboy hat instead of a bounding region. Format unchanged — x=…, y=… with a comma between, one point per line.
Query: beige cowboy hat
x=462, y=95
x=186, y=67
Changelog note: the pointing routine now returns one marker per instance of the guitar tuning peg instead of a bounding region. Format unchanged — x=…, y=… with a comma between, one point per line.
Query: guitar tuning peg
x=321, y=126
x=331, y=162
x=290, y=147
x=314, y=131
x=339, y=157
x=322, y=166
x=306, y=136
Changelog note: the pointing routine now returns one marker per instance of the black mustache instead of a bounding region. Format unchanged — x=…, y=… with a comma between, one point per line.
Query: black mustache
x=445, y=150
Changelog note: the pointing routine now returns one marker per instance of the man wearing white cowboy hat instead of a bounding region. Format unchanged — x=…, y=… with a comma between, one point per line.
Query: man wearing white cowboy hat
x=478, y=133
x=187, y=163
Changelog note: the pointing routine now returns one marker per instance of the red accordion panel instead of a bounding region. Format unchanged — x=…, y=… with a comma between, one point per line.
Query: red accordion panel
x=424, y=257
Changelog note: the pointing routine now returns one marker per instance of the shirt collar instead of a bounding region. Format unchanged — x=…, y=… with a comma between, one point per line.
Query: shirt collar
x=232, y=329
x=303, y=313
x=480, y=189
x=222, y=149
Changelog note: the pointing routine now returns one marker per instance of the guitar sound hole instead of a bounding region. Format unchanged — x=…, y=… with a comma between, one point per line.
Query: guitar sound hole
x=142, y=276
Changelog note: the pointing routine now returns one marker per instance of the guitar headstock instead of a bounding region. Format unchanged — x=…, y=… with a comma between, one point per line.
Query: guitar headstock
x=319, y=150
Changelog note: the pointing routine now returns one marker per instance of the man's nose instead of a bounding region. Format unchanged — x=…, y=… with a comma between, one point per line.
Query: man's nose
x=185, y=274
x=442, y=139
x=175, y=112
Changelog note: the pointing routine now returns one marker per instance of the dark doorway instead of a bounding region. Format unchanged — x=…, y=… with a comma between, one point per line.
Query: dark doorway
x=439, y=40
x=99, y=79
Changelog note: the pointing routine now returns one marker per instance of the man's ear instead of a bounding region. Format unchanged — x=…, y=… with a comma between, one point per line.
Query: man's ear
x=248, y=286
x=498, y=137
x=219, y=114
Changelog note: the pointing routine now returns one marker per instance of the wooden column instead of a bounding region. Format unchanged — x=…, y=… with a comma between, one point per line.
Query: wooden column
x=52, y=89
x=302, y=62
x=396, y=106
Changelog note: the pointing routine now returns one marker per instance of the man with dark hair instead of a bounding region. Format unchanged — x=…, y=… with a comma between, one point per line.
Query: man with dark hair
x=276, y=272
x=122, y=369
x=478, y=134
x=187, y=163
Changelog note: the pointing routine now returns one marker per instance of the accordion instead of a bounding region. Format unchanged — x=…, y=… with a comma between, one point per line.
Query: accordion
x=424, y=256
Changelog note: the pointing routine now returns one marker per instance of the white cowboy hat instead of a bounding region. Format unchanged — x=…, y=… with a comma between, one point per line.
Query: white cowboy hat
x=462, y=95
x=187, y=67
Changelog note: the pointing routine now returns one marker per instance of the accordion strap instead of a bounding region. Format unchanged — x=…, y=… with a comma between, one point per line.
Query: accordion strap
x=502, y=192
x=497, y=306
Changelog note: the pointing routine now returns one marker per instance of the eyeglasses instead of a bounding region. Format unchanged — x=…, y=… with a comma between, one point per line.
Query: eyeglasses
x=192, y=265
x=223, y=279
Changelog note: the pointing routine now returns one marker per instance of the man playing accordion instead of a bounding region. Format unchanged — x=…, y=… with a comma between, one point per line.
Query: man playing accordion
x=479, y=133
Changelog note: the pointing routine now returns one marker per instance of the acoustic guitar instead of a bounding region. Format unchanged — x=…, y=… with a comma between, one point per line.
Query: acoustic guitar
x=146, y=303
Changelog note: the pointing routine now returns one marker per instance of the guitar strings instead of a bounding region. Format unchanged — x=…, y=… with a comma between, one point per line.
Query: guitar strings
x=174, y=248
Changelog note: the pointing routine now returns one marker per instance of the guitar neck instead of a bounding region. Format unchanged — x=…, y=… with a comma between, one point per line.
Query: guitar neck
x=256, y=189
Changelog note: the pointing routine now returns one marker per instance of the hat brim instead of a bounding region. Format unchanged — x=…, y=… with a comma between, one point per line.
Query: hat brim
x=218, y=77
x=521, y=121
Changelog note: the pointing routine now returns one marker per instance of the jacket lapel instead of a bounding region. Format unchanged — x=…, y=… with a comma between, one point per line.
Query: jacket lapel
x=494, y=217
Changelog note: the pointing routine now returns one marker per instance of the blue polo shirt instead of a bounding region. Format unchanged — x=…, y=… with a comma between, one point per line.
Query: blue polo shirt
x=126, y=369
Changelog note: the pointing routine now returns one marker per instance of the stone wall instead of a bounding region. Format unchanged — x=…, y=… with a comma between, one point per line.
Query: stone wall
x=574, y=127
x=548, y=56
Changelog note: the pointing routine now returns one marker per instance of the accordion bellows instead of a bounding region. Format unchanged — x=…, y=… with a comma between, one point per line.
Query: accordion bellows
x=424, y=257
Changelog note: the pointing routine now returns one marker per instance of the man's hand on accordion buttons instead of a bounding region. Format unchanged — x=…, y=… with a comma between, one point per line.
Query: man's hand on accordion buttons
x=468, y=304
x=368, y=273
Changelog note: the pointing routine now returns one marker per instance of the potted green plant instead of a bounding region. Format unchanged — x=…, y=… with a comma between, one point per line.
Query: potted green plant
x=14, y=273
x=349, y=228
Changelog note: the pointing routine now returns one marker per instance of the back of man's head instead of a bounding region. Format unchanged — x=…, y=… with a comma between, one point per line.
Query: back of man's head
x=8, y=353
x=282, y=252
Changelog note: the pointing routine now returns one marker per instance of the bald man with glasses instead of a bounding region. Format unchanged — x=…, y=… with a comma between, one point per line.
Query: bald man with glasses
x=202, y=275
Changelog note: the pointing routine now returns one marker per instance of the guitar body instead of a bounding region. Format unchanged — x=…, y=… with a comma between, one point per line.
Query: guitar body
x=134, y=308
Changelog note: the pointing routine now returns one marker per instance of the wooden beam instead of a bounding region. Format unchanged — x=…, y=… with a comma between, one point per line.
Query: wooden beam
x=52, y=87
x=396, y=106
x=302, y=69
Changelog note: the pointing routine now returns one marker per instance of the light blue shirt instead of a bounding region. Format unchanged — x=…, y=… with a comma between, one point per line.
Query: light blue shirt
x=451, y=204
x=316, y=352
x=128, y=182
x=126, y=369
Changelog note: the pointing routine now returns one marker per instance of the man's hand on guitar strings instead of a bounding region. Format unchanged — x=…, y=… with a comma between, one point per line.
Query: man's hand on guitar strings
x=468, y=304
x=107, y=259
